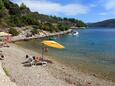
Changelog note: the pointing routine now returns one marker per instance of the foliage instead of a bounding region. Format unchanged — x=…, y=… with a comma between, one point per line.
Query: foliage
x=16, y=16
x=14, y=9
x=34, y=31
x=13, y=31
x=2, y=11
x=30, y=19
x=6, y=3
x=1, y=5
x=15, y=21
x=23, y=6
x=48, y=27
x=63, y=27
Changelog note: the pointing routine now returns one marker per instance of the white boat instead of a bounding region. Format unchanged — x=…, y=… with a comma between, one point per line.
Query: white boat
x=75, y=33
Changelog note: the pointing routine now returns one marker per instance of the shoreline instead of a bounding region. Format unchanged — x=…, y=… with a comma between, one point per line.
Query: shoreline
x=56, y=71
x=17, y=38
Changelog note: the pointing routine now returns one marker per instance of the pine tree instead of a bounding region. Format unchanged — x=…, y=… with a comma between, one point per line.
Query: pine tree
x=1, y=5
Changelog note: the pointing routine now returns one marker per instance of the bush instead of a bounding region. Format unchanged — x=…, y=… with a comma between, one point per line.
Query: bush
x=23, y=6
x=15, y=21
x=13, y=31
x=63, y=27
x=34, y=31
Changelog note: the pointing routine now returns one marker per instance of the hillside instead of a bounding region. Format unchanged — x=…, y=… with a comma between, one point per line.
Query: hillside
x=12, y=15
x=105, y=23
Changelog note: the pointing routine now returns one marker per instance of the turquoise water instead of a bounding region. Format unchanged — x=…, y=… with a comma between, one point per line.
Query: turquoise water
x=93, y=50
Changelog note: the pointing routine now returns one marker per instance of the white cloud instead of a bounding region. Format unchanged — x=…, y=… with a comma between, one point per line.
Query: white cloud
x=109, y=5
x=52, y=8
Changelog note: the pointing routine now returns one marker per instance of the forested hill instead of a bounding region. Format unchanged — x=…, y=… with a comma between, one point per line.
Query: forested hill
x=105, y=23
x=13, y=15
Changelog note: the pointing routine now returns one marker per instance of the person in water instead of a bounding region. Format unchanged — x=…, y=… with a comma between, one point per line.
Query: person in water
x=46, y=49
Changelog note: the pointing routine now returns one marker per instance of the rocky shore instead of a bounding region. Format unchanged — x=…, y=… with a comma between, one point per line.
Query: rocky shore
x=45, y=34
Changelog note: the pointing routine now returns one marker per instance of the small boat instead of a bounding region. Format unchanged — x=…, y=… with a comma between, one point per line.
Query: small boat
x=52, y=38
x=75, y=33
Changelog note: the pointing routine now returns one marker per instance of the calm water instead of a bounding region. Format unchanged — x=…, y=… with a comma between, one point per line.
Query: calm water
x=93, y=50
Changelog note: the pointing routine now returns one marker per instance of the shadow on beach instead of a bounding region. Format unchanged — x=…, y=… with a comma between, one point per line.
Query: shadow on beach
x=48, y=61
x=27, y=64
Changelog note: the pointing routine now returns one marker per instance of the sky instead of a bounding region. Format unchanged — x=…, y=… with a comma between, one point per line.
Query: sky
x=85, y=10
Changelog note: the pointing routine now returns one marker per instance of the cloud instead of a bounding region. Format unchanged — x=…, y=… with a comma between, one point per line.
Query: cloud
x=109, y=5
x=52, y=8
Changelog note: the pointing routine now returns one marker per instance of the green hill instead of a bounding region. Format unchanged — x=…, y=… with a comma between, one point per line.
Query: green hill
x=105, y=23
x=12, y=15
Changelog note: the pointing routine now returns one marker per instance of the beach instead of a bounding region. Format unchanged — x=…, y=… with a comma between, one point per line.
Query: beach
x=52, y=74
x=57, y=43
x=4, y=79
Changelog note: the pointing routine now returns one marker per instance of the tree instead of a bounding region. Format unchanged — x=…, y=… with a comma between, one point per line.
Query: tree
x=15, y=21
x=14, y=9
x=72, y=20
x=6, y=3
x=1, y=4
x=30, y=19
x=23, y=6
x=2, y=10
x=63, y=27
x=48, y=27
x=2, y=13
x=65, y=18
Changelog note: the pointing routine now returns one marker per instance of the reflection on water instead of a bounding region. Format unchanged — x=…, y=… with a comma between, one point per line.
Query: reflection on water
x=92, y=50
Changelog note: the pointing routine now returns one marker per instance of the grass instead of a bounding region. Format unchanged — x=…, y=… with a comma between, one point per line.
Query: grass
x=7, y=72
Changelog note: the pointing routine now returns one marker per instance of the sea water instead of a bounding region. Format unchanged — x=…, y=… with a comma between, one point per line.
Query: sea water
x=92, y=50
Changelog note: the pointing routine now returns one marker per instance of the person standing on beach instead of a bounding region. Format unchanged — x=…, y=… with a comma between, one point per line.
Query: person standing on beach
x=46, y=49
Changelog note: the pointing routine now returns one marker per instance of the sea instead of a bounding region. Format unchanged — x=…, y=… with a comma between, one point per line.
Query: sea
x=91, y=51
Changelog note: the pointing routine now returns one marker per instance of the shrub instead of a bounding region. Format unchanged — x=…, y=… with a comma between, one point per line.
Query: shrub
x=63, y=27
x=23, y=6
x=13, y=31
x=34, y=31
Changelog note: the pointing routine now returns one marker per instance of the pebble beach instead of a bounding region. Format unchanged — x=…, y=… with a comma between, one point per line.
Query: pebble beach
x=52, y=74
